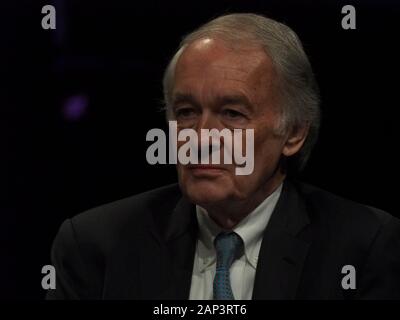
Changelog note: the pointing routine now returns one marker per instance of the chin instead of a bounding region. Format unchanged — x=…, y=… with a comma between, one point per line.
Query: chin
x=205, y=192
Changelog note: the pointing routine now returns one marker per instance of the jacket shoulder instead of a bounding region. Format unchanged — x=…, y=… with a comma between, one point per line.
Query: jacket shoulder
x=324, y=201
x=104, y=224
x=347, y=221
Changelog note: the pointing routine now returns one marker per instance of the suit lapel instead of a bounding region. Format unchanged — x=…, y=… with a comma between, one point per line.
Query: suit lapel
x=181, y=241
x=178, y=245
x=283, y=252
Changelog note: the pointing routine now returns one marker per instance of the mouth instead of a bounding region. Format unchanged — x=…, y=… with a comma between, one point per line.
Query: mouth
x=202, y=170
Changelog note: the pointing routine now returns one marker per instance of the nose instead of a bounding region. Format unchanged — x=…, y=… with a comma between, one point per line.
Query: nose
x=208, y=121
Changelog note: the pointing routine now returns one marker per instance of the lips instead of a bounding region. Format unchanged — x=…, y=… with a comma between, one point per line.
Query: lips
x=205, y=167
x=206, y=170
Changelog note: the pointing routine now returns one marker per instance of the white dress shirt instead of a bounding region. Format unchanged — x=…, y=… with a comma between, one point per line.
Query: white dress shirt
x=243, y=270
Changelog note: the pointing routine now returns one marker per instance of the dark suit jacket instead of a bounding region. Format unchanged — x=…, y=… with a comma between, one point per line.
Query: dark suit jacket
x=143, y=247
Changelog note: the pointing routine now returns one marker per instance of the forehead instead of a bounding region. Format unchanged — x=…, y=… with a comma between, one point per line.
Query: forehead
x=214, y=59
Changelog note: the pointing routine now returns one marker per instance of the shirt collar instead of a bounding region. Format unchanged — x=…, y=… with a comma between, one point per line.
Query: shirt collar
x=250, y=230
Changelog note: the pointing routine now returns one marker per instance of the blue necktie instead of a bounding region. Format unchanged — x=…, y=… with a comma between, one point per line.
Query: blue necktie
x=229, y=246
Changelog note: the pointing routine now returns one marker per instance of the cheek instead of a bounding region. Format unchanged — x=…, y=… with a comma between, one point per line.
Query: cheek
x=267, y=151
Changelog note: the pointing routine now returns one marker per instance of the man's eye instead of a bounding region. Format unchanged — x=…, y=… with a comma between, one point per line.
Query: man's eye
x=232, y=114
x=184, y=112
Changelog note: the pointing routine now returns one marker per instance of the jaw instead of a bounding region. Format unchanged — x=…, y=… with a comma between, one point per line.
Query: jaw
x=226, y=202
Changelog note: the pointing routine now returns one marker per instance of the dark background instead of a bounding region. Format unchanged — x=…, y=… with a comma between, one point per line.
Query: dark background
x=76, y=104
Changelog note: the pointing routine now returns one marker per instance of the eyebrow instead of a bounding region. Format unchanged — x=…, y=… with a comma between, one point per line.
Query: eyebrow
x=234, y=99
x=220, y=100
x=184, y=98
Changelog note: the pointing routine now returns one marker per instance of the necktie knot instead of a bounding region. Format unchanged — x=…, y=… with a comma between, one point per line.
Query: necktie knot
x=229, y=247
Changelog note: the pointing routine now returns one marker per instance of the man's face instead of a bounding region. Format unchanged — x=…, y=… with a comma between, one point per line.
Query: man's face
x=219, y=87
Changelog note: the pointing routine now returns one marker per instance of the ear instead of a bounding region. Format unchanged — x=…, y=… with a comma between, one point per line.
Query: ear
x=295, y=140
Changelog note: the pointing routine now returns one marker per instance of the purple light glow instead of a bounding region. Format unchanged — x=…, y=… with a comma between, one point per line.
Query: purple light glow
x=75, y=107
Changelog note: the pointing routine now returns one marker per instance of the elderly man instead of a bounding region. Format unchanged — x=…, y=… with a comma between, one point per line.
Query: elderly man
x=219, y=235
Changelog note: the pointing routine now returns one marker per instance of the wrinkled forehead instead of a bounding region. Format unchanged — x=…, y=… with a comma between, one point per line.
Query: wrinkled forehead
x=216, y=60
x=219, y=54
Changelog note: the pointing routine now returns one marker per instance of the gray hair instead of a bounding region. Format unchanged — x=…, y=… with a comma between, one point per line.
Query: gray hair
x=296, y=83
